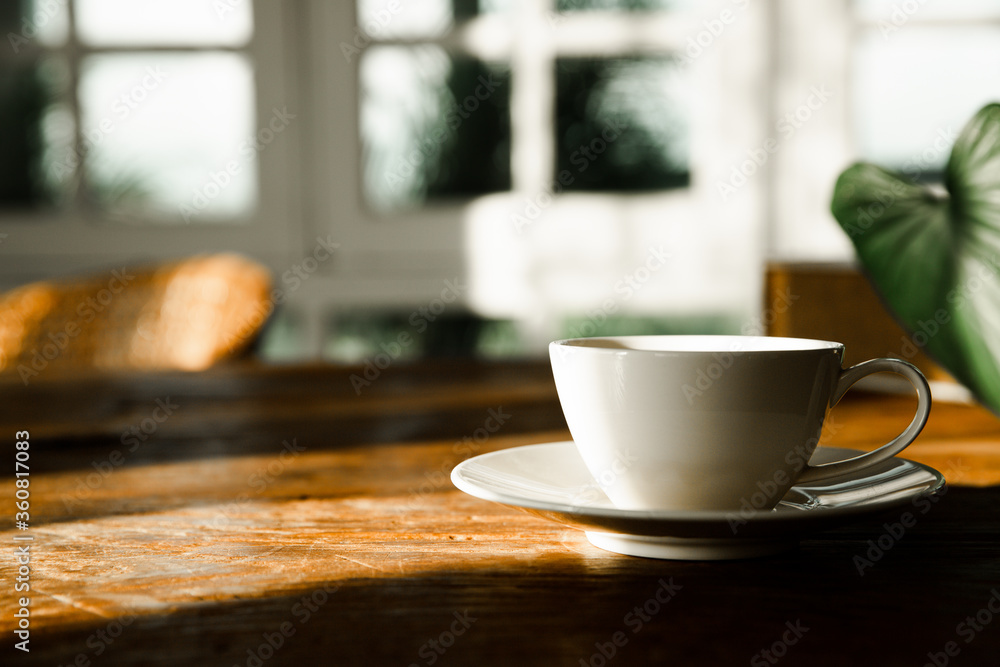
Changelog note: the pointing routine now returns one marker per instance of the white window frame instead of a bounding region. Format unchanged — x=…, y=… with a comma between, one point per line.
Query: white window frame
x=42, y=244
x=310, y=180
x=402, y=260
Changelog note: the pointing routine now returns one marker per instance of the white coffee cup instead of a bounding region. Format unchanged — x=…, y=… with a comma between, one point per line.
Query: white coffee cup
x=710, y=422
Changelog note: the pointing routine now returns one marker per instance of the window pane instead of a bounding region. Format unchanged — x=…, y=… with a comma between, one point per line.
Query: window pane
x=620, y=5
x=484, y=6
x=913, y=92
x=381, y=19
x=171, y=133
x=432, y=126
x=30, y=133
x=109, y=22
x=28, y=24
x=58, y=133
x=357, y=335
x=33, y=91
x=622, y=124
x=47, y=21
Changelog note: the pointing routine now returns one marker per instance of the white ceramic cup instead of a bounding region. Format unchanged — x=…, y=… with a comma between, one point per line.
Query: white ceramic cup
x=710, y=422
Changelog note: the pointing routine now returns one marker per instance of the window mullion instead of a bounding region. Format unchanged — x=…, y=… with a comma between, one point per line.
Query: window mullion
x=532, y=98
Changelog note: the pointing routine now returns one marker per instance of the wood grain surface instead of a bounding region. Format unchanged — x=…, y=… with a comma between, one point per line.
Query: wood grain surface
x=278, y=517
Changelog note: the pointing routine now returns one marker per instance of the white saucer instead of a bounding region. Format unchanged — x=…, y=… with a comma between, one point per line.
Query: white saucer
x=551, y=481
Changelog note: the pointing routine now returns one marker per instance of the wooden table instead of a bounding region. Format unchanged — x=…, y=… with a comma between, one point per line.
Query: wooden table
x=258, y=515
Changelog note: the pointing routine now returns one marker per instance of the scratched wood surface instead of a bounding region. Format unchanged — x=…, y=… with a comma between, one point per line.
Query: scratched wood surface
x=257, y=515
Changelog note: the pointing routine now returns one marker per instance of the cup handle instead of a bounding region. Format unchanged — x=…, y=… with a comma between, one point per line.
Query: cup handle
x=847, y=378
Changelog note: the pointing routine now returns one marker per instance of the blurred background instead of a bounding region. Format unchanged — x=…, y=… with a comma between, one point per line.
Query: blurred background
x=472, y=177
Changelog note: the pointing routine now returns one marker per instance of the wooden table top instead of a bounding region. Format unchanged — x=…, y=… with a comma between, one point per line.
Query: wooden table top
x=254, y=515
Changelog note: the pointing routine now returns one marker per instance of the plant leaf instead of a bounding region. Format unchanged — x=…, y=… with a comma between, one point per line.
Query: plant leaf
x=933, y=256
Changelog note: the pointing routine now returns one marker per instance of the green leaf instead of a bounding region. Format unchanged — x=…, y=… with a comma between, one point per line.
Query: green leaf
x=934, y=254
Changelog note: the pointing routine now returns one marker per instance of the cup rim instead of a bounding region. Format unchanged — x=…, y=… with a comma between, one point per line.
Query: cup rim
x=687, y=344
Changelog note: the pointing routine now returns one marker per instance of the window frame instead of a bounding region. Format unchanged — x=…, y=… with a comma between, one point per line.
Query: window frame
x=42, y=243
x=401, y=258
